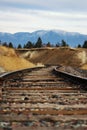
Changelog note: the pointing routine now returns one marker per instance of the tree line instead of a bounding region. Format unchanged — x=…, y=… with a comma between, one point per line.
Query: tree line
x=40, y=44
x=83, y=46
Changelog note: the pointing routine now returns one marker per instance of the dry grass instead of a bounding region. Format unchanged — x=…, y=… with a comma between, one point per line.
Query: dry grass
x=14, y=63
x=10, y=61
x=5, y=51
x=84, y=67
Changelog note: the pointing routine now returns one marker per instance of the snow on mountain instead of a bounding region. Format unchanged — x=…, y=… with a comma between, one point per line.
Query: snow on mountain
x=52, y=36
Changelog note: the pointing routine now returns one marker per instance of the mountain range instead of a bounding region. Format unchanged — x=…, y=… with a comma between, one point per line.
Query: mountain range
x=52, y=36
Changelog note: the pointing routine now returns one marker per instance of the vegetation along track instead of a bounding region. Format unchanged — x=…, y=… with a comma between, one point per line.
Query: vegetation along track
x=43, y=97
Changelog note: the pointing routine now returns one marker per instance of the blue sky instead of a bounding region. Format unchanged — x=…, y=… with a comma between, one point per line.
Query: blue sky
x=31, y=15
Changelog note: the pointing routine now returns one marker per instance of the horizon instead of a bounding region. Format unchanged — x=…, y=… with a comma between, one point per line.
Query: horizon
x=44, y=30
x=29, y=16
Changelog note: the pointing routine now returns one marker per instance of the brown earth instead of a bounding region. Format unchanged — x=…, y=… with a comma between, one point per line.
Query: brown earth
x=61, y=55
x=10, y=61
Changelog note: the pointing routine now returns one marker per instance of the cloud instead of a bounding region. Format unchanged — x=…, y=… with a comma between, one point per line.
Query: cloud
x=56, y=5
x=31, y=15
x=30, y=20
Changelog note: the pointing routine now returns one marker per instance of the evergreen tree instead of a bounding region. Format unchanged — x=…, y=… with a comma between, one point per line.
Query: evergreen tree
x=85, y=44
x=63, y=44
x=79, y=46
x=58, y=45
x=5, y=44
x=48, y=44
x=10, y=45
x=19, y=46
x=38, y=43
x=0, y=42
x=29, y=45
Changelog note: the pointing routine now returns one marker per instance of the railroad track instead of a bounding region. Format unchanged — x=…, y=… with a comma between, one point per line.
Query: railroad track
x=41, y=97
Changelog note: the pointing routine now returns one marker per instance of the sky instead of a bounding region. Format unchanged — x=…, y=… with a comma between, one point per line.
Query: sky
x=32, y=15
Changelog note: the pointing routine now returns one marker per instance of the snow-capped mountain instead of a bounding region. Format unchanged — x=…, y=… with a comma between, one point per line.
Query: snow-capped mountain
x=52, y=36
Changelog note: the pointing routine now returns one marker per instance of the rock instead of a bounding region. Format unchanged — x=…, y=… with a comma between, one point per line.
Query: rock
x=2, y=70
